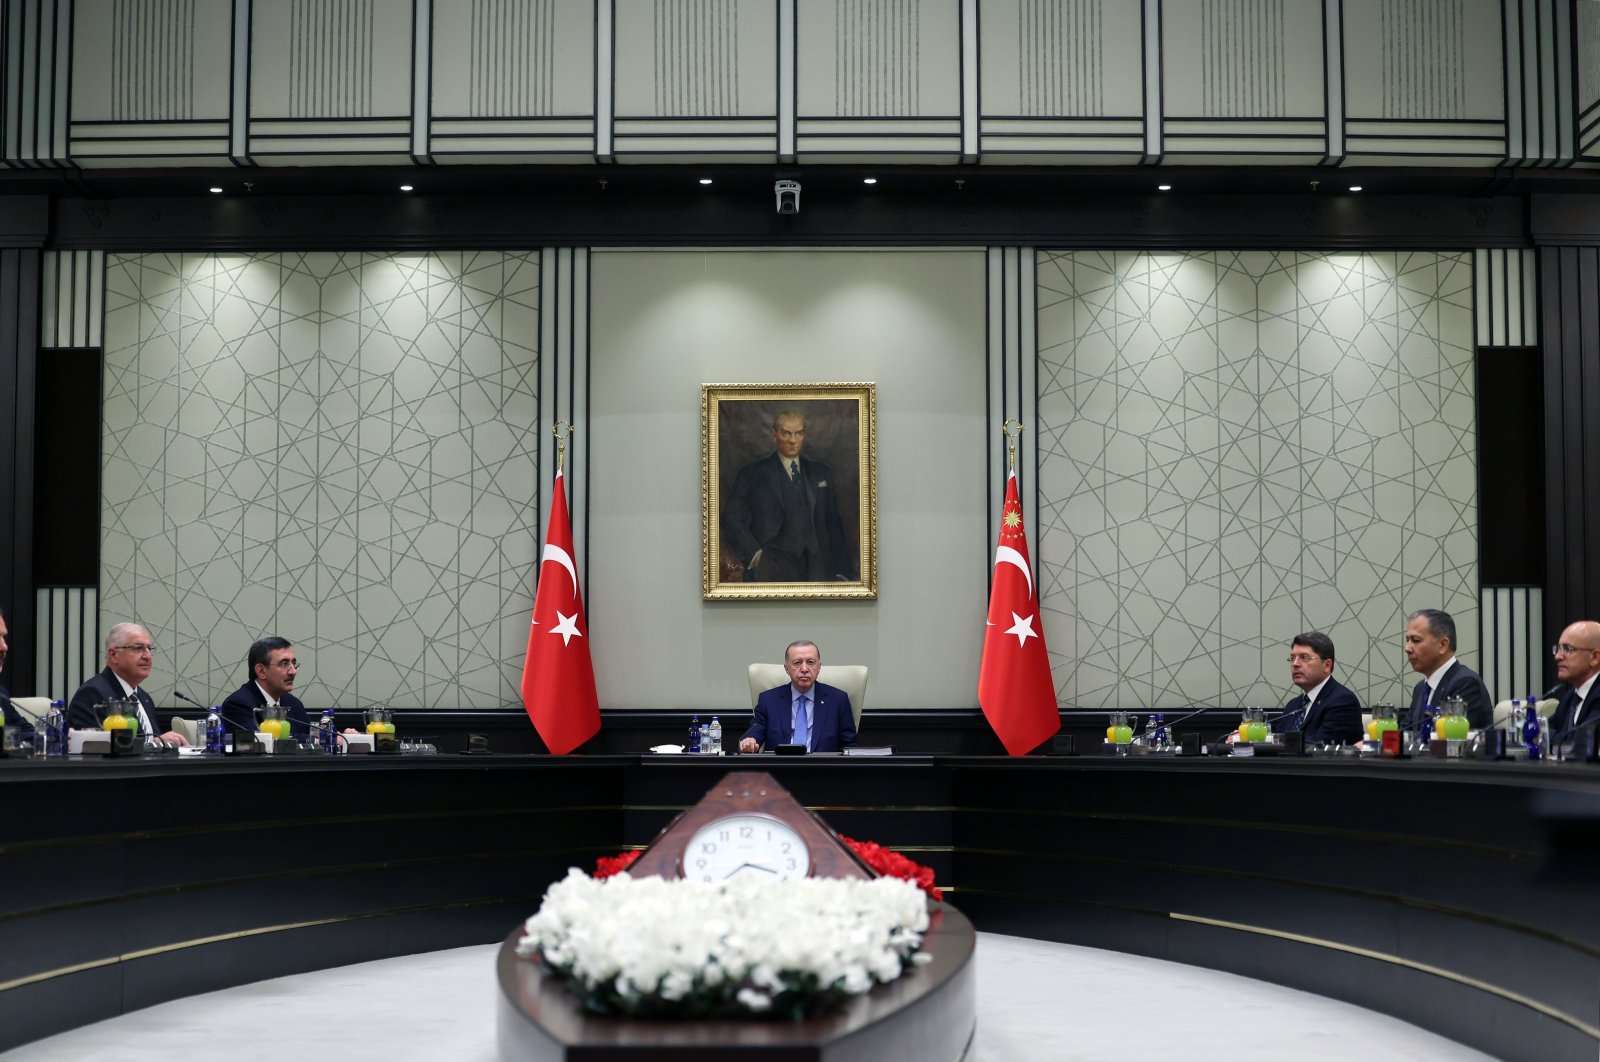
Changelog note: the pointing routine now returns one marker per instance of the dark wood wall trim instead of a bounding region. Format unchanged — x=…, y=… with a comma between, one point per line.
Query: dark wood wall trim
x=19, y=360
x=1569, y=299
x=394, y=222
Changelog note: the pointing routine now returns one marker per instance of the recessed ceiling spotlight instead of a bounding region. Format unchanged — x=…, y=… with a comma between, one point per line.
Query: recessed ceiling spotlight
x=216, y=191
x=705, y=180
x=1355, y=188
x=869, y=180
x=406, y=187
x=1163, y=187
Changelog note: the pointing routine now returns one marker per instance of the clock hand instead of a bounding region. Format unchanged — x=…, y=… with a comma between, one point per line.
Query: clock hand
x=752, y=866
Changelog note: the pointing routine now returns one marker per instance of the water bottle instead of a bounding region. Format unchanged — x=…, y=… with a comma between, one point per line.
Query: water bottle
x=1530, y=729
x=55, y=729
x=328, y=732
x=694, y=735
x=716, y=737
x=214, y=731
x=1161, y=742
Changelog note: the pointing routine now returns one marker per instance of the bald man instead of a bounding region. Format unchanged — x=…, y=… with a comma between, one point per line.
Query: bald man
x=1577, y=663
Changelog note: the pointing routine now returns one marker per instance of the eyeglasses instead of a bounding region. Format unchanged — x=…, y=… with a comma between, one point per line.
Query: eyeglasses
x=1564, y=649
x=288, y=665
x=1303, y=658
x=137, y=649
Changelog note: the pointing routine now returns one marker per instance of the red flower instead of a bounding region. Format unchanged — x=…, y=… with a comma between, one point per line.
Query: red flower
x=607, y=866
x=895, y=865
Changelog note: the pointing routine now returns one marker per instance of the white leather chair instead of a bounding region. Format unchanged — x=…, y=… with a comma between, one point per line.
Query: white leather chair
x=1502, y=711
x=852, y=678
x=193, y=730
x=31, y=708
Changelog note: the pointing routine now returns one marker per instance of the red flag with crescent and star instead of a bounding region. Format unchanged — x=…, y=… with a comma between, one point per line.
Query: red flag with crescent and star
x=1014, y=684
x=558, y=676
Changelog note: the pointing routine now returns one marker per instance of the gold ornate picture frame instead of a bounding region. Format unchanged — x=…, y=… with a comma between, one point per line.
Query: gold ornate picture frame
x=788, y=489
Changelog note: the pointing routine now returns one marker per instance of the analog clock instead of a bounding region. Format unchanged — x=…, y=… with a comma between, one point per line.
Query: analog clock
x=747, y=843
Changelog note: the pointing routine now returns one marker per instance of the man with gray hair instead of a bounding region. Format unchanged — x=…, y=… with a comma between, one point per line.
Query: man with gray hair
x=803, y=712
x=129, y=655
x=1431, y=650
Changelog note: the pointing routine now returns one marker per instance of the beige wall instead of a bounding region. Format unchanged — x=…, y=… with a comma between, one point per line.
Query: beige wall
x=665, y=322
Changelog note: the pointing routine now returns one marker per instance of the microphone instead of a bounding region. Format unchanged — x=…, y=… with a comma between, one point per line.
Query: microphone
x=208, y=709
x=230, y=723
x=1172, y=726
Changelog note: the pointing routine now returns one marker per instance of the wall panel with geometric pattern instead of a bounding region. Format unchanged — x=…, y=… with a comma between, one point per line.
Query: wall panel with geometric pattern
x=1239, y=446
x=335, y=447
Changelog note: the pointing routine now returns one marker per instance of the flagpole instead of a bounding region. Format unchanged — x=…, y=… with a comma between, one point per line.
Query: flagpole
x=1015, y=687
x=1011, y=429
x=558, y=689
x=562, y=431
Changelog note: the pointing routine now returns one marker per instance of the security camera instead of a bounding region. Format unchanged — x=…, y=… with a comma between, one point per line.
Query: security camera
x=788, y=195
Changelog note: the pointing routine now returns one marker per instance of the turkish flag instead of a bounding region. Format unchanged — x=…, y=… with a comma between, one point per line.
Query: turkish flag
x=1014, y=684
x=558, y=676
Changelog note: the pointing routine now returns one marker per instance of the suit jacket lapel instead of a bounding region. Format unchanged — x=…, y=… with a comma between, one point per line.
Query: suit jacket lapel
x=783, y=726
x=1584, y=708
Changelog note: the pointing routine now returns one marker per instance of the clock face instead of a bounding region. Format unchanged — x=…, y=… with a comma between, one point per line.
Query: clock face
x=745, y=844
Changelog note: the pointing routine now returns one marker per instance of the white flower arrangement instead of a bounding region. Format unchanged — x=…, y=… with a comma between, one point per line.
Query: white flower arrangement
x=650, y=947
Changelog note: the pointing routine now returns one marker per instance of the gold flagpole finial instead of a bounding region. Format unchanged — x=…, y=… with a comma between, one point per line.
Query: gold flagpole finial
x=1011, y=429
x=562, y=430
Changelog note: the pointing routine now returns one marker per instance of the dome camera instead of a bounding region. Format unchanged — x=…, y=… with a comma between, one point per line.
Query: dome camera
x=788, y=196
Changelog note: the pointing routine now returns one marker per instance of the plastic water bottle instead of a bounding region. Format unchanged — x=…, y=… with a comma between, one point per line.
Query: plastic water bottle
x=55, y=729
x=1530, y=729
x=1160, y=742
x=328, y=732
x=694, y=735
x=214, y=731
x=716, y=737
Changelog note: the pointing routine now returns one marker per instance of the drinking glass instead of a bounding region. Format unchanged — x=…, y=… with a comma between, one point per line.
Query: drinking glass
x=1120, y=732
x=1383, y=720
x=1254, y=726
x=274, y=721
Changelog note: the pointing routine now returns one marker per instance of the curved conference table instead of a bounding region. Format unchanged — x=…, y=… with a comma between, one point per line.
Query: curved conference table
x=1457, y=895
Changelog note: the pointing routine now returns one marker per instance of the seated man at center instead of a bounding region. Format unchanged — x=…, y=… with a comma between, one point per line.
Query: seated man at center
x=273, y=670
x=804, y=712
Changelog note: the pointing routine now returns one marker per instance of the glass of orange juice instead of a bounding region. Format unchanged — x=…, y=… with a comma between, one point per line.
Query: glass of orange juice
x=274, y=721
x=380, y=719
x=1383, y=720
x=118, y=715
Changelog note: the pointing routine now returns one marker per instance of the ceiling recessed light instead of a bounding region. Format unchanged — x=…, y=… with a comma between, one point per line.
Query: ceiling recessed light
x=406, y=187
x=1163, y=187
x=1355, y=188
x=705, y=180
x=216, y=191
x=869, y=180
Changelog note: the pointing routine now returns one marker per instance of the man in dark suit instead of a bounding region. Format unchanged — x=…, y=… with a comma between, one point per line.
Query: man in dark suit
x=1327, y=711
x=782, y=517
x=805, y=712
x=1577, y=663
x=129, y=655
x=11, y=716
x=1431, y=649
x=273, y=670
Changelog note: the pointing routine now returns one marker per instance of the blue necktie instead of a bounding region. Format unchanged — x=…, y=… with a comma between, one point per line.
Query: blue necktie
x=1297, y=721
x=802, y=727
